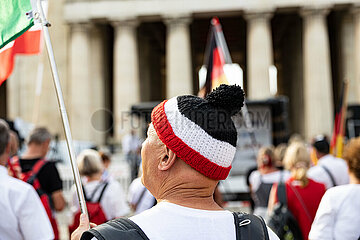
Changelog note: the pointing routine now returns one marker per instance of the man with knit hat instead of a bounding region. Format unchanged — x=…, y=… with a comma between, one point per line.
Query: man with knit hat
x=190, y=145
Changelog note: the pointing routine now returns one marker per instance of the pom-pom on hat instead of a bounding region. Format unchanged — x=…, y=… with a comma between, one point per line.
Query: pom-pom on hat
x=200, y=131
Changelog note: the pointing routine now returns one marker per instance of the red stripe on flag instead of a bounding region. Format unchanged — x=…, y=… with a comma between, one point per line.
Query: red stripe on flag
x=28, y=43
x=7, y=63
x=218, y=64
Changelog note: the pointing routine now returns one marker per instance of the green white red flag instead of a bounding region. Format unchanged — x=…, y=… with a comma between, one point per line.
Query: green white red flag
x=16, y=17
x=18, y=34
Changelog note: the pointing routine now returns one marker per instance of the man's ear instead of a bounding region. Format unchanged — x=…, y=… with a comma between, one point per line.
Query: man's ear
x=167, y=160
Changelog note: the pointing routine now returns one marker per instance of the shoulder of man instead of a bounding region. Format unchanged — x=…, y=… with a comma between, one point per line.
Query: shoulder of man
x=19, y=185
x=315, y=170
x=49, y=177
x=48, y=166
x=117, y=229
x=248, y=226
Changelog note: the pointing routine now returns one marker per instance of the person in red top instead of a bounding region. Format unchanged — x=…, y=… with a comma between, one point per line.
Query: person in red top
x=303, y=194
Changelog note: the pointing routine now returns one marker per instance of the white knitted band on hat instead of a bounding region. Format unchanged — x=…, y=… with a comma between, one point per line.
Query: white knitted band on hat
x=216, y=151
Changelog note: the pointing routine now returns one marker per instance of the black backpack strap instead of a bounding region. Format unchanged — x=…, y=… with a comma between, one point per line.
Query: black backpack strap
x=330, y=175
x=102, y=192
x=249, y=226
x=35, y=170
x=117, y=229
x=86, y=198
x=281, y=193
x=90, y=199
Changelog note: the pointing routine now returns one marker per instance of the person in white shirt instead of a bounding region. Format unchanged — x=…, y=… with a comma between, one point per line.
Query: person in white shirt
x=190, y=147
x=329, y=170
x=338, y=214
x=131, y=145
x=22, y=214
x=139, y=198
x=262, y=180
x=113, y=201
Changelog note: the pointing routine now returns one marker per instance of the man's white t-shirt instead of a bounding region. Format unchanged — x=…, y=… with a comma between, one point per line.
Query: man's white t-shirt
x=338, y=215
x=336, y=166
x=22, y=215
x=170, y=221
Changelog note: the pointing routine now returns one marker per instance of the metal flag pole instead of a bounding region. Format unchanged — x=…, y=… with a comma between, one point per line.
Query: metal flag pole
x=45, y=24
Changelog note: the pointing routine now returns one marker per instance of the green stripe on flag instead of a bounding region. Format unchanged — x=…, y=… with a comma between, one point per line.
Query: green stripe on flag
x=13, y=19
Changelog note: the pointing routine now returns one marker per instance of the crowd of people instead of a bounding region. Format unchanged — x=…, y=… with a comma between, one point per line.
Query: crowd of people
x=312, y=187
x=33, y=168
x=183, y=158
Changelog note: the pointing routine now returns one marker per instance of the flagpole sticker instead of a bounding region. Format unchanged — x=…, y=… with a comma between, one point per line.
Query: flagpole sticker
x=29, y=15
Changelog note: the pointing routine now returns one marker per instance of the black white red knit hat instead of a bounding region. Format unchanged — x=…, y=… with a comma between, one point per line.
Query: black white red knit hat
x=200, y=131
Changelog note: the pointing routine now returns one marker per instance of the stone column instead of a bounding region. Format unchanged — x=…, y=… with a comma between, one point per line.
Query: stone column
x=178, y=57
x=347, y=54
x=97, y=71
x=126, y=75
x=356, y=80
x=259, y=54
x=318, y=97
x=80, y=94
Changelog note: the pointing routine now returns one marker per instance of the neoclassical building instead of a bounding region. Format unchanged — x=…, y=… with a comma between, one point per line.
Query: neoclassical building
x=116, y=53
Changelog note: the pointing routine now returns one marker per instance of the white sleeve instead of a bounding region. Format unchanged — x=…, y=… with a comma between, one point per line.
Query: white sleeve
x=114, y=202
x=33, y=220
x=318, y=174
x=254, y=180
x=324, y=221
x=272, y=235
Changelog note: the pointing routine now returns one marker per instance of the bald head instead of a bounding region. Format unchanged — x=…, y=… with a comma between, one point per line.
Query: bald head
x=151, y=133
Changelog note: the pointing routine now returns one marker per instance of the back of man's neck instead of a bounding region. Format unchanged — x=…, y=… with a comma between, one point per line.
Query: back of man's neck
x=203, y=204
x=192, y=197
x=30, y=154
x=323, y=155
